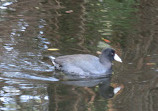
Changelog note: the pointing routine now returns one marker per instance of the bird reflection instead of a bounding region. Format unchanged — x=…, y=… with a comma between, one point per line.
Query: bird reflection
x=103, y=83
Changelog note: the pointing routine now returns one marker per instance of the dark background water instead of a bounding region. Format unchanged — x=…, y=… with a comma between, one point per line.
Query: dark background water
x=29, y=28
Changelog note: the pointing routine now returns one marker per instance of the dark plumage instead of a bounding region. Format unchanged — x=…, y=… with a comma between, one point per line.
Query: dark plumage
x=86, y=64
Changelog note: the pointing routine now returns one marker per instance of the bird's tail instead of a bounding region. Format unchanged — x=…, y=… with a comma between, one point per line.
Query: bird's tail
x=52, y=59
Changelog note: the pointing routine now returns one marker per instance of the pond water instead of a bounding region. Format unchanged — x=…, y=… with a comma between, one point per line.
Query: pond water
x=29, y=82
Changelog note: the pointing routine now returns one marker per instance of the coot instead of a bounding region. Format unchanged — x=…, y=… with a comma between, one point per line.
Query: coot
x=86, y=64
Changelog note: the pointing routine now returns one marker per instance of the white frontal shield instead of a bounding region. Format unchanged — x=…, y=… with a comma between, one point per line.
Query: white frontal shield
x=117, y=58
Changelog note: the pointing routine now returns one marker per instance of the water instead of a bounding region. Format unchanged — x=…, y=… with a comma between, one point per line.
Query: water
x=28, y=81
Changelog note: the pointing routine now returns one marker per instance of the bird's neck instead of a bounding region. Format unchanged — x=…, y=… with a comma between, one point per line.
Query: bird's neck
x=105, y=60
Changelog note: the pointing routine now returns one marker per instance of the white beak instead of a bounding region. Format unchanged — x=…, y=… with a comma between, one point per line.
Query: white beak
x=117, y=58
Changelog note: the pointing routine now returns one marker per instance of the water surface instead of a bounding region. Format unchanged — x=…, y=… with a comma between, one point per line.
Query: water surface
x=28, y=81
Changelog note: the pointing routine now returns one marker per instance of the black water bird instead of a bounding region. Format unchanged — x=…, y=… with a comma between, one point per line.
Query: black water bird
x=86, y=64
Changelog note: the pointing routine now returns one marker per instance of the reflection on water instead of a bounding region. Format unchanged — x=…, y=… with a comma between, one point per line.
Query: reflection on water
x=29, y=28
x=19, y=94
x=81, y=94
x=104, y=85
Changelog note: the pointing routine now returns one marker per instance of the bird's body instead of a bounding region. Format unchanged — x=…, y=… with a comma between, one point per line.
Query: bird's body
x=81, y=64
